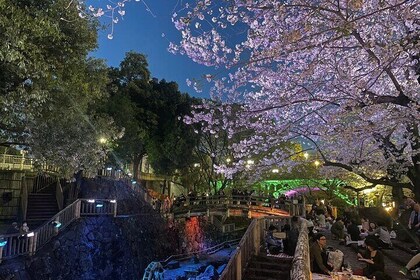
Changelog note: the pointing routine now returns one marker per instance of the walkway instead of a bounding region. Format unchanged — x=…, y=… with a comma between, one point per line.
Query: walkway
x=350, y=257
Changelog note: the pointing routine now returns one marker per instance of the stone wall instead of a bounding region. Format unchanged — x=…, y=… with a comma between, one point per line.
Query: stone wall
x=92, y=248
x=10, y=187
x=104, y=247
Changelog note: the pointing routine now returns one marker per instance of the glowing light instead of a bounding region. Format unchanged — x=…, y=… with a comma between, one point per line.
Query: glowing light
x=99, y=205
x=31, y=234
x=133, y=182
x=113, y=201
x=317, y=163
x=109, y=168
x=196, y=165
x=102, y=140
x=275, y=170
x=56, y=224
x=3, y=242
x=228, y=160
x=249, y=162
x=305, y=155
x=91, y=200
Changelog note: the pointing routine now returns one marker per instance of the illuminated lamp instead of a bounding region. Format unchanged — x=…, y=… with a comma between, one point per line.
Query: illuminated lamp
x=56, y=224
x=3, y=242
x=91, y=200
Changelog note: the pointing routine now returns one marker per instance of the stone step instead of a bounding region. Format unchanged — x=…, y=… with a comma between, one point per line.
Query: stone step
x=256, y=277
x=268, y=273
x=281, y=266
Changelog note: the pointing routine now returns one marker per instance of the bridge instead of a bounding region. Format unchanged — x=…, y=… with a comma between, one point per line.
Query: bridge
x=22, y=163
x=236, y=205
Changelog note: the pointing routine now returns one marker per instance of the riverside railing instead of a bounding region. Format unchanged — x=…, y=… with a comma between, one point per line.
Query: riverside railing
x=16, y=162
x=301, y=266
x=240, y=201
x=207, y=251
x=248, y=246
x=17, y=244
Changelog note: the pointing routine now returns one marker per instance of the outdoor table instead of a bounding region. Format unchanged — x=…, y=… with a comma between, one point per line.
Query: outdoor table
x=337, y=276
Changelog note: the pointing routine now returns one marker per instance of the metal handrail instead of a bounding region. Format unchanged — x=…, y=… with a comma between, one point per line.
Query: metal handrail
x=210, y=250
x=28, y=243
x=16, y=162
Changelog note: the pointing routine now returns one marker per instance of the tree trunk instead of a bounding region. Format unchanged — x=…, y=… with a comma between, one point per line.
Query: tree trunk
x=136, y=164
x=164, y=187
x=397, y=195
x=416, y=191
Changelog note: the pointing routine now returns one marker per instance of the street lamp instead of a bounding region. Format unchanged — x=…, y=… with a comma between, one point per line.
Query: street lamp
x=275, y=170
x=305, y=155
x=102, y=140
x=317, y=163
x=249, y=162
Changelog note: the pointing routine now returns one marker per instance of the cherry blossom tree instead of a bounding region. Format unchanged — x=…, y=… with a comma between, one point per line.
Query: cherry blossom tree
x=342, y=75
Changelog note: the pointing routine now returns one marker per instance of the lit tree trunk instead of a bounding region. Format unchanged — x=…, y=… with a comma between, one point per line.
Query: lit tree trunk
x=397, y=195
x=136, y=163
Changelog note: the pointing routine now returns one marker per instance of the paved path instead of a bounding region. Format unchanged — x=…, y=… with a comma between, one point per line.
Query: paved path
x=350, y=257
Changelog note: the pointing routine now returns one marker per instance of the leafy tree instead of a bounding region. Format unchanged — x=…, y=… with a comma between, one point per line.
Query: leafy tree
x=151, y=113
x=171, y=143
x=48, y=88
x=342, y=75
x=130, y=92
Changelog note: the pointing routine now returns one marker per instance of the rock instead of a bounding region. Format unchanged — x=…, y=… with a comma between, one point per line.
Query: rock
x=209, y=274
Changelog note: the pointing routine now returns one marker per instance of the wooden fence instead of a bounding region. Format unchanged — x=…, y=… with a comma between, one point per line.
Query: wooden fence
x=248, y=246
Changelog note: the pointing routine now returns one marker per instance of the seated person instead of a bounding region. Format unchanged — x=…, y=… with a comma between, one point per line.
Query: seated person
x=410, y=265
x=318, y=255
x=353, y=230
x=373, y=258
x=337, y=229
x=274, y=245
x=381, y=236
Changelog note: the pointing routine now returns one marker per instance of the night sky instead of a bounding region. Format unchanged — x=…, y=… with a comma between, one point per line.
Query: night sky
x=141, y=31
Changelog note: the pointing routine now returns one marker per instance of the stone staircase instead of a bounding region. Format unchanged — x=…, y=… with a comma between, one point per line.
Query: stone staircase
x=41, y=207
x=263, y=267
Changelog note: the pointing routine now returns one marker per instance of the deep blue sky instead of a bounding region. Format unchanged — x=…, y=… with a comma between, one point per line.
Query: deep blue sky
x=141, y=31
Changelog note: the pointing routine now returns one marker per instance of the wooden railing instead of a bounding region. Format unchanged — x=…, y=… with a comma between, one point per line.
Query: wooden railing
x=41, y=182
x=236, y=201
x=13, y=245
x=301, y=266
x=248, y=246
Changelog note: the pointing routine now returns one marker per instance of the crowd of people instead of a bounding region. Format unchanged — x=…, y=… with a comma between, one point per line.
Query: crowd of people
x=370, y=236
